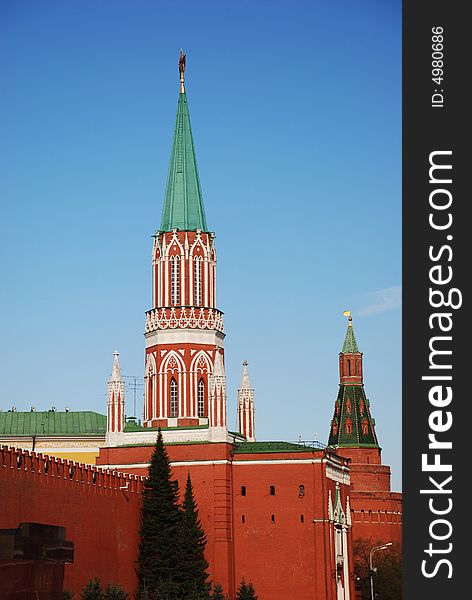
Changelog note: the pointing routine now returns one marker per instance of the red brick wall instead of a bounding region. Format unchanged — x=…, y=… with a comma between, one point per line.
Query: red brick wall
x=100, y=519
x=376, y=510
x=377, y=516
x=285, y=557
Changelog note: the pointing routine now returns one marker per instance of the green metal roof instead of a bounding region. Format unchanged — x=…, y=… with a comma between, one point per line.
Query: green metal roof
x=352, y=425
x=350, y=342
x=183, y=202
x=266, y=447
x=52, y=423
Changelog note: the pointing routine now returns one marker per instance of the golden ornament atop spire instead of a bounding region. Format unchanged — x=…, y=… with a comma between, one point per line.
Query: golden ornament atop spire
x=182, y=59
x=347, y=313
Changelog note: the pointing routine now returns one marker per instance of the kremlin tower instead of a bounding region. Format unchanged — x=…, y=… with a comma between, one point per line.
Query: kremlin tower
x=185, y=384
x=376, y=511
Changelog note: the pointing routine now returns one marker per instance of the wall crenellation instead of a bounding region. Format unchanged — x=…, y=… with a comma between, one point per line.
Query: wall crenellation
x=38, y=465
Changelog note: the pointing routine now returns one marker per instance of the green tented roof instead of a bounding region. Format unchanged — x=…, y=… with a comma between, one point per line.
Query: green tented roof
x=183, y=202
x=52, y=423
x=350, y=342
x=352, y=407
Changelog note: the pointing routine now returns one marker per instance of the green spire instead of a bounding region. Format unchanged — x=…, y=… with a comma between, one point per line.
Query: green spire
x=183, y=202
x=350, y=342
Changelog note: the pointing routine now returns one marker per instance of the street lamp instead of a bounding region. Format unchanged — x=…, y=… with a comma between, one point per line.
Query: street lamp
x=371, y=570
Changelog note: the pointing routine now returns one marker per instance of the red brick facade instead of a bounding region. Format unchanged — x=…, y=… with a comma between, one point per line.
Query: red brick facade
x=376, y=510
x=268, y=517
x=100, y=518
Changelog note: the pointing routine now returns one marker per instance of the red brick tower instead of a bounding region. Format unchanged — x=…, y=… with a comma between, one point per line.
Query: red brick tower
x=184, y=373
x=376, y=511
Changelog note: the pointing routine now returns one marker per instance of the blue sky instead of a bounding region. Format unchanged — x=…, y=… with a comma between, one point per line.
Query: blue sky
x=296, y=116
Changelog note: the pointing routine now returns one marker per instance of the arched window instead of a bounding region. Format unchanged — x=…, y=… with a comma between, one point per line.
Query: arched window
x=174, y=398
x=361, y=406
x=201, y=398
x=197, y=282
x=243, y=490
x=335, y=427
x=175, y=279
x=348, y=366
x=272, y=490
x=348, y=406
x=348, y=426
x=365, y=426
x=301, y=490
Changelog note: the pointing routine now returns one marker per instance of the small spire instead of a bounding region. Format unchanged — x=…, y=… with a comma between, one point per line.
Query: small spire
x=350, y=342
x=116, y=373
x=245, y=378
x=182, y=60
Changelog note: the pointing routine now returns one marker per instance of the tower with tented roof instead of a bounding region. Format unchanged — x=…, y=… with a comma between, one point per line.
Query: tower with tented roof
x=185, y=386
x=376, y=510
x=352, y=425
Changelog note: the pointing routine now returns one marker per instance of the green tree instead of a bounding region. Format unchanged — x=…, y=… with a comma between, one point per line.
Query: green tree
x=92, y=591
x=193, y=561
x=159, y=554
x=388, y=570
x=67, y=595
x=114, y=592
x=246, y=591
x=218, y=593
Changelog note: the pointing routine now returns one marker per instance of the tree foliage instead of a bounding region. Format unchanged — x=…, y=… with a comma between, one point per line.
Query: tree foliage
x=114, y=592
x=218, y=593
x=246, y=591
x=92, y=591
x=171, y=562
x=388, y=570
x=159, y=547
x=194, y=563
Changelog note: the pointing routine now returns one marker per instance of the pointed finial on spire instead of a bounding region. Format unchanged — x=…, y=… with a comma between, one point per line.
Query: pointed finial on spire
x=182, y=60
x=350, y=342
x=116, y=373
x=245, y=379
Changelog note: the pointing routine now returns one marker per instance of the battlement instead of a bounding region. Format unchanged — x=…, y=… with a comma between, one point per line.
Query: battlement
x=28, y=465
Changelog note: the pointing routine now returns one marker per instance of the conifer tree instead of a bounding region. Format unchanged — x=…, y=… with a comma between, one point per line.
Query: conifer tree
x=114, y=592
x=92, y=591
x=218, y=593
x=246, y=591
x=194, y=563
x=159, y=555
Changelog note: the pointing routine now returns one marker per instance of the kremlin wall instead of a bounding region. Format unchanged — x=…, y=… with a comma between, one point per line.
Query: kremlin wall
x=282, y=515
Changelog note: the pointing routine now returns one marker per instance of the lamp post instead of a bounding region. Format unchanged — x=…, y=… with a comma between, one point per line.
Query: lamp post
x=371, y=570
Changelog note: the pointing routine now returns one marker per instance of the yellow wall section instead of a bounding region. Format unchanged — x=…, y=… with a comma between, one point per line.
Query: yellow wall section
x=88, y=458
